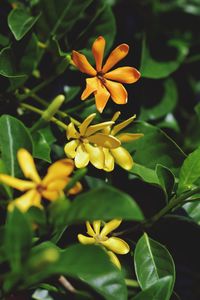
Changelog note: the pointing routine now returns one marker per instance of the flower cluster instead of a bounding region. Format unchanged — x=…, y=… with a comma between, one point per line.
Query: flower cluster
x=100, y=236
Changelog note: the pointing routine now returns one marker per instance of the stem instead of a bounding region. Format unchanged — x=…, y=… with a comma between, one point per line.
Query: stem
x=131, y=283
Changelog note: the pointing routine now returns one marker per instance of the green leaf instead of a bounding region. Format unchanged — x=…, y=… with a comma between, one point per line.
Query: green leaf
x=103, y=203
x=20, y=22
x=193, y=210
x=14, y=135
x=146, y=174
x=165, y=106
x=157, y=291
x=190, y=171
x=151, y=68
x=152, y=262
x=18, y=239
x=166, y=179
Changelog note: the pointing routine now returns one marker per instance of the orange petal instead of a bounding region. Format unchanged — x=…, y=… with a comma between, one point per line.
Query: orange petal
x=77, y=188
x=124, y=75
x=115, y=56
x=82, y=63
x=51, y=195
x=101, y=97
x=98, y=51
x=27, y=165
x=117, y=91
x=91, y=87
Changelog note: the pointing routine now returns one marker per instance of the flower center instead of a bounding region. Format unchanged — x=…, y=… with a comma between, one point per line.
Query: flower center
x=100, y=77
x=40, y=188
x=99, y=238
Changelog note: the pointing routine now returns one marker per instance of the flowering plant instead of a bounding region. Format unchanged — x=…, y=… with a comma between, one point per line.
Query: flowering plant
x=95, y=195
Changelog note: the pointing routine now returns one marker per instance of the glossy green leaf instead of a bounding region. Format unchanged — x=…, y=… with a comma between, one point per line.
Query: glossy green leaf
x=152, y=262
x=20, y=22
x=14, y=135
x=190, y=171
x=160, y=290
x=166, y=179
x=8, y=65
x=104, y=203
x=151, y=68
x=146, y=174
x=193, y=210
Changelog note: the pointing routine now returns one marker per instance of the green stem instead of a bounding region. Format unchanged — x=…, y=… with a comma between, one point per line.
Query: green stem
x=131, y=283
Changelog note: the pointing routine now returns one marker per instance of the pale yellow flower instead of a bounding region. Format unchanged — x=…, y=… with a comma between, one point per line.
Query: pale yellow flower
x=87, y=143
x=50, y=187
x=100, y=236
x=119, y=154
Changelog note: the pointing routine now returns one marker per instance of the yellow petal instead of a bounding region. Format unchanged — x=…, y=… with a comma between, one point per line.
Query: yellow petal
x=23, y=203
x=114, y=259
x=85, y=239
x=94, y=128
x=51, y=195
x=104, y=140
x=101, y=97
x=91, y=87
x=116, y=116
x=122, y=125
x=84, y=125
x=82, y=63
x=116, y=245
x=21, y=185
x=97, y=226
x=90, y=231
x=27, y=165
x=98, y=51
x=109, y=161
x=70, y=148
x=127, y=137
x=77, y=188
x=124, y=75
x=122, y=157
x=115, y=56
x=96, y=156
x=72, y=133
x=82, y=157
x=60, y=170
x=117, y=91
x=110, y=226
x=57, y=184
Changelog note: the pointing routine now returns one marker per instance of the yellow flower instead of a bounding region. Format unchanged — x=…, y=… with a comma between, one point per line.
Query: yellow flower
x=119, y=155
x=100, y=236
x=50, y=187
x=88, y=142
x=101, y=83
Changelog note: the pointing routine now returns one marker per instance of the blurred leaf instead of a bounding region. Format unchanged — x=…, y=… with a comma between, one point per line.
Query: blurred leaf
x=103, y=203
x=20, y=22
x=14, y=135
x=190, y=171
x=165, y=106
x=151, y=68
x=166, y=179
x=42, y=141
x=170, y=122
x=3, y=170
x=157, y=291
x=193, y=210
x=152, y=262
x=71, y=92
x=4, y=40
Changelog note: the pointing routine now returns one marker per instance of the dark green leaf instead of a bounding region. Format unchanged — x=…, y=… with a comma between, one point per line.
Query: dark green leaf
x=166, y=179
x=193, y=210
x=152, y=262
x=7, y=64
x=146, y=174
x=20, y=22
x=14, y=135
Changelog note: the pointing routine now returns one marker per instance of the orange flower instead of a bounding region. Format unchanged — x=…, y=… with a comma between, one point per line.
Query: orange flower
x=101, y=83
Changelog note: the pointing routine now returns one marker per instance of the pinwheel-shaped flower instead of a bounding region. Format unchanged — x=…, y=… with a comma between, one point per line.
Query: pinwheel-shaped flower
x=100, y=236
x=50, y=187
x=87, y=143
x=119, y=155
x=103, y=82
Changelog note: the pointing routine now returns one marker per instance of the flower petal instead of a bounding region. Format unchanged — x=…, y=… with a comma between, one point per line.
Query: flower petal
x=96, y=156
x=72, y=133
x=21, y=185
x=82, y=157
x=84, y=125
x=117, y=91
x=82, y=63
x=27, y=165
x=77, y=188
x=23, y=203
x=90, y=230
x=94, y=128
x=57, y=184
x=124, y=75
x=122, y=157
x=114, y=259
x=96, y=226
x=122, y=125
x=116, y=245
x=51, y=195
x=127, y=137
x=60, y=170
x=104, y=140
x=110, y=226
x=85, y=239
x=109, y=161
x=70, y=148
x=91, y=87
x=115, y=56
x=101, y=97
x=98, y=51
